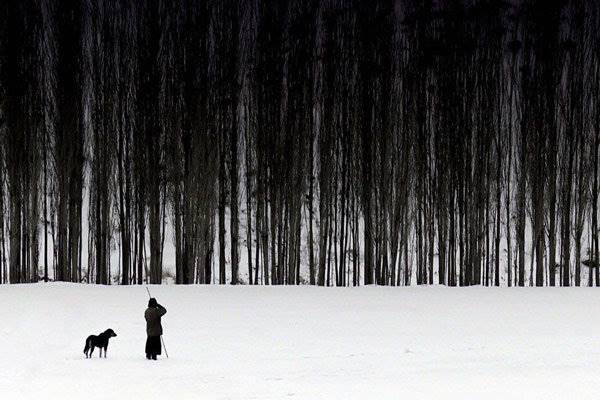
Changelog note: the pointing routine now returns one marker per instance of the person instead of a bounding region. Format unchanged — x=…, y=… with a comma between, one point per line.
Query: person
x=154, y=330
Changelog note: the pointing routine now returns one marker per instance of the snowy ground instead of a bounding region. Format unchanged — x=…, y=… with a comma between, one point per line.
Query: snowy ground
x=303, y=343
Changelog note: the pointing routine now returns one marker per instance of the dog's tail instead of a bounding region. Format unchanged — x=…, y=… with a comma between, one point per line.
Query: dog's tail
x=87, y=346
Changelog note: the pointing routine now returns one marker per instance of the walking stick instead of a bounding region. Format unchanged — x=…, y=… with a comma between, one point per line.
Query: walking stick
x=161, y=338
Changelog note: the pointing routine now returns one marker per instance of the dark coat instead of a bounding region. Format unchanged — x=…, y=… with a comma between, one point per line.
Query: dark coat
x=153, y=346
x=153, y=315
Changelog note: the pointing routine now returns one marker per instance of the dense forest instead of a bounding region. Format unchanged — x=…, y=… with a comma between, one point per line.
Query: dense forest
x=333, y=142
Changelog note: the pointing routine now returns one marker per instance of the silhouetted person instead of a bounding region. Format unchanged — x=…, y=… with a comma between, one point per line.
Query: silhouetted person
x=153, y=328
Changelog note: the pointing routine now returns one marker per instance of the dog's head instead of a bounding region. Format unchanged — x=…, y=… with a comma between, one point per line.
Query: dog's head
x=110, y=333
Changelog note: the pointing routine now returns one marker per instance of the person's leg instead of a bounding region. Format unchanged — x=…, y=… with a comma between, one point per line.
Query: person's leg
x=155, y=347
x=148, y=348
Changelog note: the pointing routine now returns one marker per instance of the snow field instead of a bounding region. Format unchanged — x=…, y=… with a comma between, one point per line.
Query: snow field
x=304, y=342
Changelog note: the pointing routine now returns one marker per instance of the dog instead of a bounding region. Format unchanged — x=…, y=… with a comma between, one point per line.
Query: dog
x=100, y=341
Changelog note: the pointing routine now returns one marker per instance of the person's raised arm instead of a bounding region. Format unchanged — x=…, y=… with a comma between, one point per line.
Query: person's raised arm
x=161, y=310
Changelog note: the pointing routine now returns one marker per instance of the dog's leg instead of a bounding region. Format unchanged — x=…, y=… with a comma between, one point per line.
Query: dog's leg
x=91, y=351
x=100, y=349
x=106, y=348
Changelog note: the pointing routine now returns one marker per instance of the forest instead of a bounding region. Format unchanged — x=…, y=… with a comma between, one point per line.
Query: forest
x=321, y=142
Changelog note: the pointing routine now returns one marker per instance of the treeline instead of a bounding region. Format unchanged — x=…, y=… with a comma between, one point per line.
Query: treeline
x=334, y=142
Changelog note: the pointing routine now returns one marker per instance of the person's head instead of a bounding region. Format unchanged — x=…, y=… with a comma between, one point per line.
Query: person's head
x=152, y=303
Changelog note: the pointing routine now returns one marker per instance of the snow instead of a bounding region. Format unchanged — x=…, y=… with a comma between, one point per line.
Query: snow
x=229, y=342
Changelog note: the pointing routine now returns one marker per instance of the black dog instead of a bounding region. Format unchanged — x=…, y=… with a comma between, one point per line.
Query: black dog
x=100, y=341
